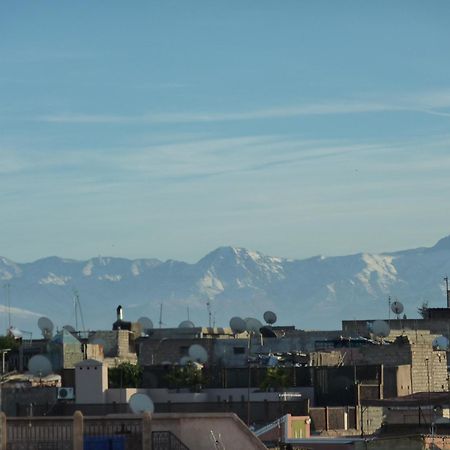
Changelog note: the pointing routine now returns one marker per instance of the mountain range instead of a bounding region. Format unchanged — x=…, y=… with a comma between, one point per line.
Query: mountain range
x=316, y=292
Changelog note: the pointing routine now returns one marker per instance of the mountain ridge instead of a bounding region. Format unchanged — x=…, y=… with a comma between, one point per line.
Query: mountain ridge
x=318, y=291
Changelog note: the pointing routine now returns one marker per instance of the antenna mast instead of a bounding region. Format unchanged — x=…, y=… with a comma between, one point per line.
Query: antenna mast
x=208, y=307
x=77, y=310
x=447, y=291
x=7, y=287
x=160, y=315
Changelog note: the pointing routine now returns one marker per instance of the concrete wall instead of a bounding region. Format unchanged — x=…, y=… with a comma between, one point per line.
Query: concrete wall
x=397, y=443
x=194, y=430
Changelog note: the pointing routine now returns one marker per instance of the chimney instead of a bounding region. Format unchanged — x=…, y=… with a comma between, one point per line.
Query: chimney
x=119, y=312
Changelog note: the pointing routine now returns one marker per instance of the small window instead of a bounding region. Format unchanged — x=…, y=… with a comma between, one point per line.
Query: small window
x=239, y=350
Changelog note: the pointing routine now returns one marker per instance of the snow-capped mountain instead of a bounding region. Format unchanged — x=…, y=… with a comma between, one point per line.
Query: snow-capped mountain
x=313, y=293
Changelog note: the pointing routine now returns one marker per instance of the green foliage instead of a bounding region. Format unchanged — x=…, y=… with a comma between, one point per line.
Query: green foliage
x=188, y=376
x=276, y=378
x=8, y=342
x=125, y=375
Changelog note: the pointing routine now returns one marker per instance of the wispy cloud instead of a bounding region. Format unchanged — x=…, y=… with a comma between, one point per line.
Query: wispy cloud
x=427, y=103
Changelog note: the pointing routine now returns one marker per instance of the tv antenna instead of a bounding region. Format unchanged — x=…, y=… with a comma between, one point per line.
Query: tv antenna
x=208, y=307
x=78, y=311
x=160, y=315
x=447, y=291
x=7, y=288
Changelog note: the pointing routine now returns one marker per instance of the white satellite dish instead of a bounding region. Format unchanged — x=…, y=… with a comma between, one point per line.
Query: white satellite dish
x=380, y=328
x=186, y=324
x=238, y=325
x=270, y=317
x=397, y=307
x=198, y=353
x=253, y=325
x=141, y=403
x=69, y=328
x=146, y=324
x=440, y=343
x=46, y=327
x=15, y=333
x=40, y=366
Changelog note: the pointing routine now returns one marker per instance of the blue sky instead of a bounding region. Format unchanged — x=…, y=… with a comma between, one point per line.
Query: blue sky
x=166, y=129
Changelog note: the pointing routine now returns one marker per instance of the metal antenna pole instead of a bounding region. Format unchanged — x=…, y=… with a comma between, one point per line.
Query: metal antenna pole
x=208, y=307
x=160, y=315
x=8, y=303
x=447, y=292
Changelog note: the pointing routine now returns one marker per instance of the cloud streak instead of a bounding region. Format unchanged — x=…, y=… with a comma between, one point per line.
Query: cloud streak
x=426, y=103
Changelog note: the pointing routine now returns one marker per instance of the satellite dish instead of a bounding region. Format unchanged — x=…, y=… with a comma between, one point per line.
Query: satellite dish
x=238, y=325
x=40, y=366
x=380, y=328
x=198, y=353
x=185, y=360
x=186, y=324
x=440, y=343
x=146, y=324
x=141, y=403
x=397, y=307
x=15, y=333
x=267, y=332
x=270, y=317
x=46, y=326
x=253, y=325
x=69, y=328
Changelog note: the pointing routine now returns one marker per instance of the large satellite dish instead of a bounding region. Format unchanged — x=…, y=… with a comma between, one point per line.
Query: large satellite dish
x=146, y=324
x=238, y=325
x=186, y=324
x=440, y=343
x=141, y=403
x=380, y=328
x=198, y=353
x=253, y=325
x=397, y=307
x=40, y=366
x=270, y=317
x=46, y=327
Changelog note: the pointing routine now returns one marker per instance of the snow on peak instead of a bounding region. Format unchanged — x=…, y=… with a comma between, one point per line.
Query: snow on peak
x=55, y=279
